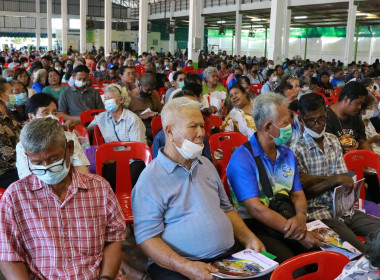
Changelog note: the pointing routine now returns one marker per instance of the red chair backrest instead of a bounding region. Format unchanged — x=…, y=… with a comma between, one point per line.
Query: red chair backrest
x=140, y=69
x=98, y=137
x=224, y=82
x=80, y=131
x=88, y=116
x=330, y=265
x=210, y=122
x=360, y=159
x=226, y=186
x=156, y=125
x=199, y=70
x=256, y=88
x=2, y=191
x=162, y=92
x=105, y=83
x=65, y=84
x=226, y=142
x=133, y=150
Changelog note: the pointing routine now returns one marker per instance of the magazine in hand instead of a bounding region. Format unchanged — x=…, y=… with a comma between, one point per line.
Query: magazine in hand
x=342, y=202
x=245, y=264
x=332, y=240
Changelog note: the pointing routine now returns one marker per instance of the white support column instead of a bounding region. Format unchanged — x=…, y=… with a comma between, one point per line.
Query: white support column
x=107, y=27
x=371, y=49
x=350, y=31
x=82, y=15
x=195, y=11
x=143, y=26
x=276, y=26
x=172, y=36
x=129, y=25
x=202, y=32
x=286, y=32
x=238, y=23
x=38, y=24
x=49, y=12
x=64, y=26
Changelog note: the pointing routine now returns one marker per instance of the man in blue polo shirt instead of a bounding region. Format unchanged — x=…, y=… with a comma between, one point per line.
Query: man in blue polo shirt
x=182, y=216
x=271, y=117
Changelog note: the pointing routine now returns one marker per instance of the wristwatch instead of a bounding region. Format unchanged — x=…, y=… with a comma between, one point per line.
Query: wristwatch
x=306, y=214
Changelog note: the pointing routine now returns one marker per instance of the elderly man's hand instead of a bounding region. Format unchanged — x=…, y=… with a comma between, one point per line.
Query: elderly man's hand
x=312, y=240
x=255, y=244
x=200, y=271
x=295, y=227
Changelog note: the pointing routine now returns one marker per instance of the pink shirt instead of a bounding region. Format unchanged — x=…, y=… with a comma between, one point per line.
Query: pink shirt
x=59, y=240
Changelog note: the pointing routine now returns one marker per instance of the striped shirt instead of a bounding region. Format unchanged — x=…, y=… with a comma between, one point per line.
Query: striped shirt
x=55, y=239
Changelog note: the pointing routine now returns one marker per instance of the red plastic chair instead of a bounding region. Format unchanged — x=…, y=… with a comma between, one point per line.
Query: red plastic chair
x=226, y=186
x=80, y=131
x=330, y=265
x=140, y=69
x=224, y=82
x=360, y=159
x=162, y=92
x=199, y=71
x=105, y=83
x=98, y=137
x=88, y=116
x=156, y=125
x=65, y=84
x=2, y=191
x=133, y=150
x=210, y=122
x=256, y=88
x=226, y=142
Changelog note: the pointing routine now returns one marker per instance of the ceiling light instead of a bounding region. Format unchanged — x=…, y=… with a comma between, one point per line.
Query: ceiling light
x=371, y=16
x=359, y=14
x=300, y=17
x=221, y=21
x=256, y=19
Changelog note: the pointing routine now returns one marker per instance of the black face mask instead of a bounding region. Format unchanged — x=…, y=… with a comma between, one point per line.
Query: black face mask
x=237, y=76
x=144, y=95
x=293, y=105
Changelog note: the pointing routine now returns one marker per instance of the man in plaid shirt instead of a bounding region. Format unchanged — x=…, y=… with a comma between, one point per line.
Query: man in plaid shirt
x=322, y=168
x=58, y=223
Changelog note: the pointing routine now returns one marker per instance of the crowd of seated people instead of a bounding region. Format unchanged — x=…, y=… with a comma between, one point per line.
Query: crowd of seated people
x=292, y=134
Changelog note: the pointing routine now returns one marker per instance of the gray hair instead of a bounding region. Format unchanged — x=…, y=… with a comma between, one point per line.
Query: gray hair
x=207, y=72
x=265, y=108
x=171, y=111
x=40, y=133
x=120, y=92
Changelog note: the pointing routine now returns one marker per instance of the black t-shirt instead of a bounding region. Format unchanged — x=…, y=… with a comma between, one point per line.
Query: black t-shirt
x=348, y=131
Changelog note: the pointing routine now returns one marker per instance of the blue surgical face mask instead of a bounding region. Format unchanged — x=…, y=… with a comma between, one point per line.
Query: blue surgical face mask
x=157, y=65
x=8, y=79
x=166, y=63
x=285, y=135
x=50, y=176
x=21, y=98
x=110, y=105
x=315, y=75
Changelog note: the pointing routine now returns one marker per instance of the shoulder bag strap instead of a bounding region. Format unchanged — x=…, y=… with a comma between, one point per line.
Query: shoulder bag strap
x=264, y=180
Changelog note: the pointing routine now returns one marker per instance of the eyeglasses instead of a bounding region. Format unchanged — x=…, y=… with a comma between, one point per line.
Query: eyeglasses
x=52, y=168
x=312, y=122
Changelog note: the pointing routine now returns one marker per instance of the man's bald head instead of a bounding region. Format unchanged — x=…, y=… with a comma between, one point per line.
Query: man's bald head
x=148, y=80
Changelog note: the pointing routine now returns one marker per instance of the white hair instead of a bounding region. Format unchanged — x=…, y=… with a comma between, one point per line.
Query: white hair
x=120, y=92
x=38, y=74
x=171, y=112
x=265, y=107
x=207, y=72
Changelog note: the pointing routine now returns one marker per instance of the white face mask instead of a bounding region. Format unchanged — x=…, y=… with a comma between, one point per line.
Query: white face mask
x=305, y=89
x=313, y=134
x=368, y=114
x=26, y=64
x=102, y=68
x=79, y=83
x=58, y=68
x=189, y=150
x=274, y=79
x=270, y=66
